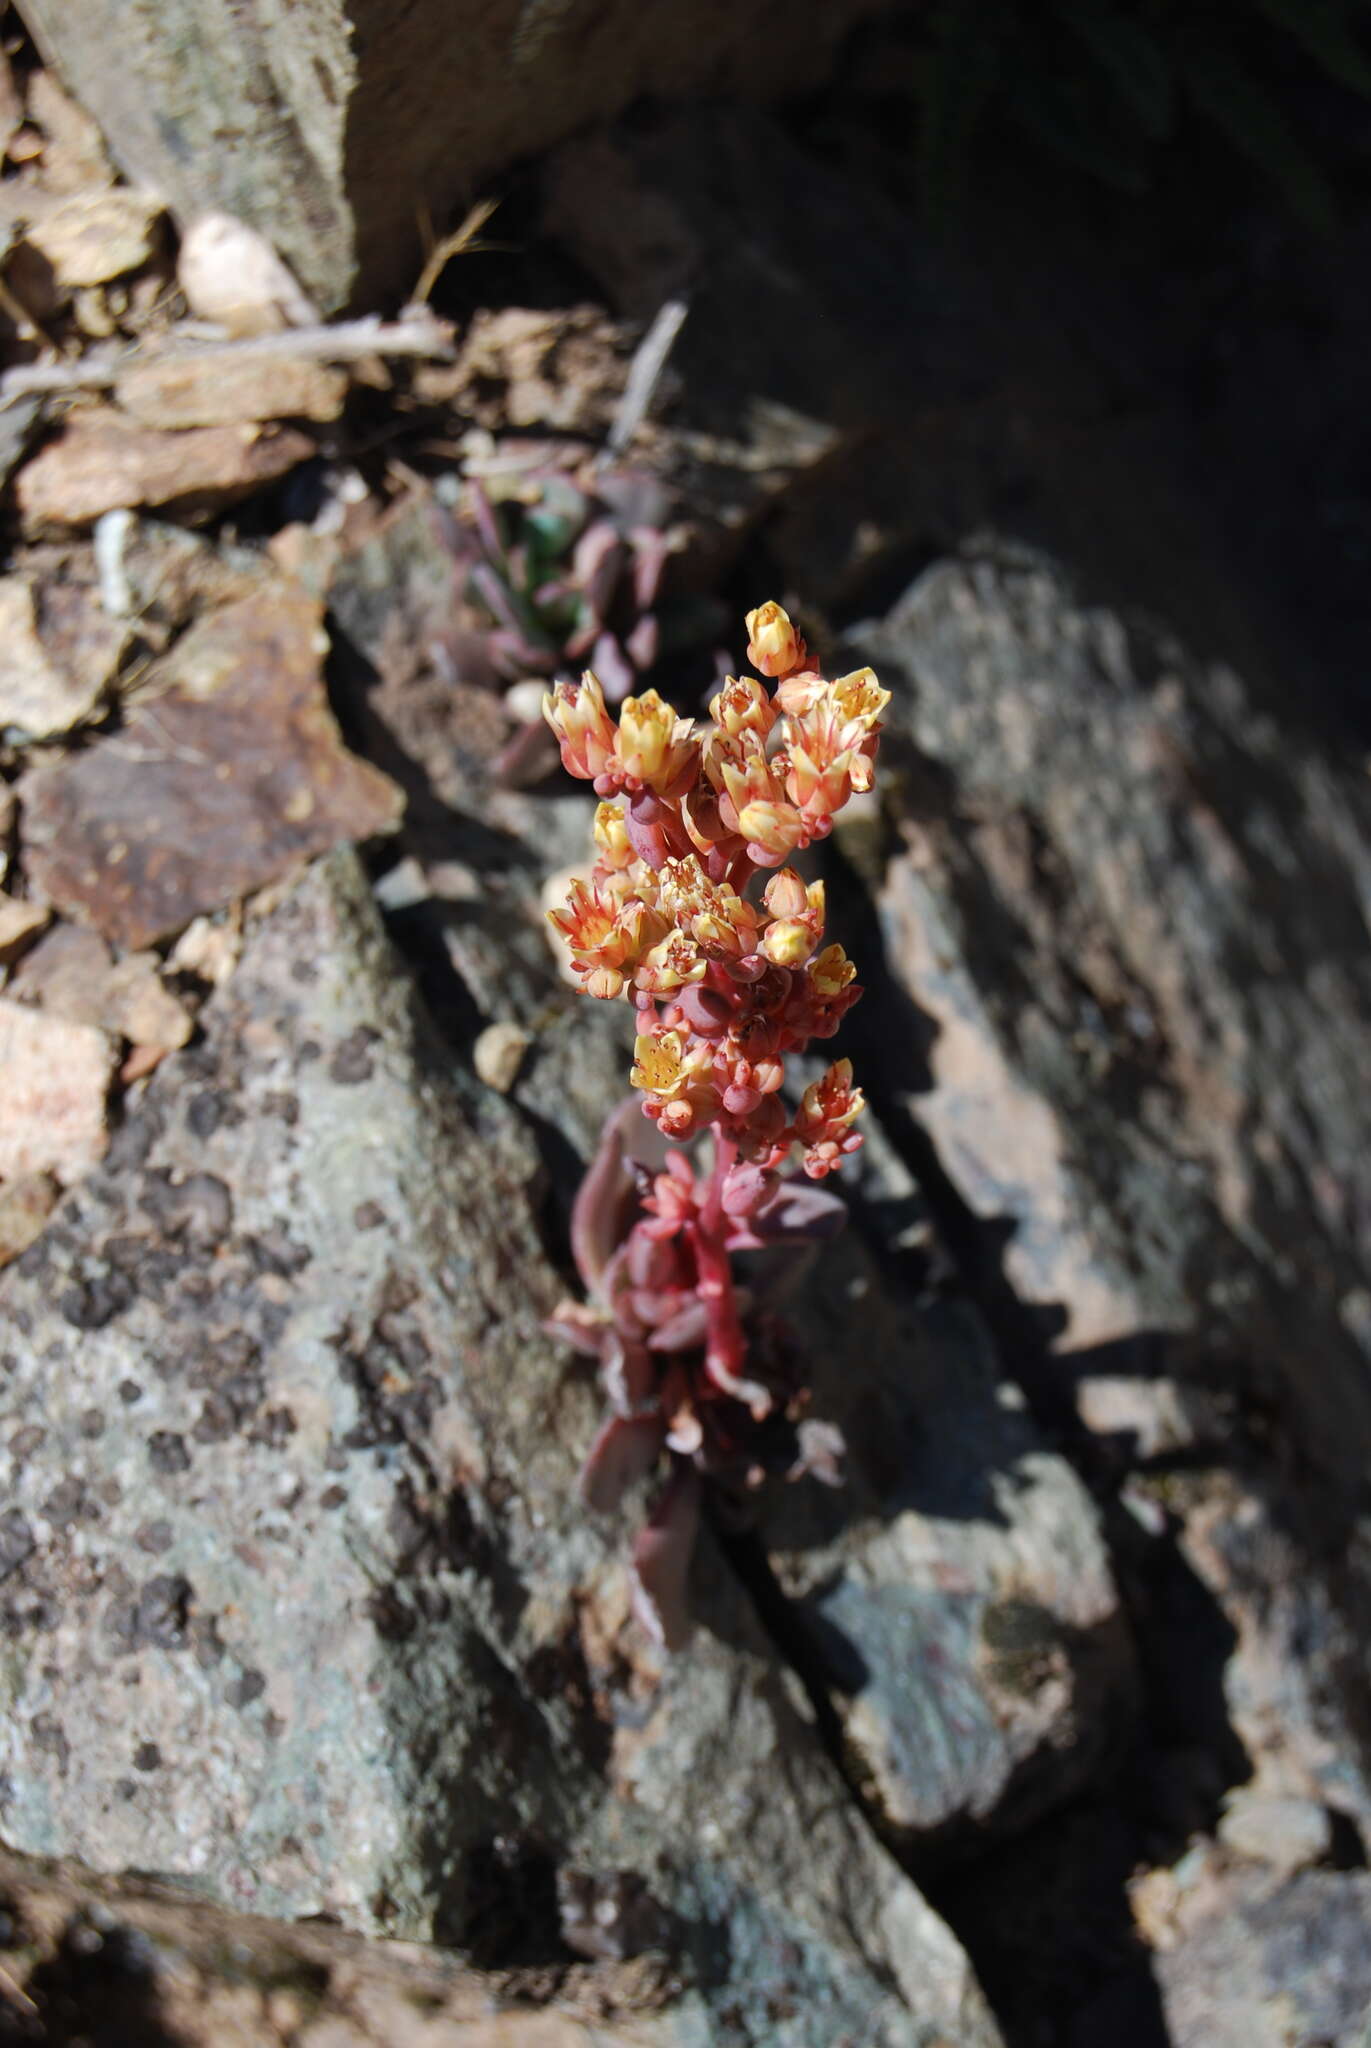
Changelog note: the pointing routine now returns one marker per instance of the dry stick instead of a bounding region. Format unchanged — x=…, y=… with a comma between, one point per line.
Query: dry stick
x=418, y=332
x=442, y=253
x=644, y=375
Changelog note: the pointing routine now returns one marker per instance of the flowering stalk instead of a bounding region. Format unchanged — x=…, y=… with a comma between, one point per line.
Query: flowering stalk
x=726, y=982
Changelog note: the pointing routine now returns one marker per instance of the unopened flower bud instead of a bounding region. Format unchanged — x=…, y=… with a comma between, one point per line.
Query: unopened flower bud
x=798, y=919
x=772, y=830
x=773, y=645
x=786, y=943
x=740, y=1101
x=785, y=894
x=655, y=747
x=585, y=731
x=610, y=832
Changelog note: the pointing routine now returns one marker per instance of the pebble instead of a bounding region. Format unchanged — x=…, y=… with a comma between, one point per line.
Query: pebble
x=498, y=1054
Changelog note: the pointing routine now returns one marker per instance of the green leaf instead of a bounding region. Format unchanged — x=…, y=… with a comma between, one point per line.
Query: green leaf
x=1323, y=30
x=1251, y=120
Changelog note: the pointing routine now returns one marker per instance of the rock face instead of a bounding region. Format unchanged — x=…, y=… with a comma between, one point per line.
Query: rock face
x=112, y=1960
x=1127, y=917
x=956, y=1591
x=298, y=1599
x=332, y=126
x=1134, y=918
x=1259, y=1961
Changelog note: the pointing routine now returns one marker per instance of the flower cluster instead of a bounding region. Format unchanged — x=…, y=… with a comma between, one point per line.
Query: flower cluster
x=727, y=979
x=724, y=986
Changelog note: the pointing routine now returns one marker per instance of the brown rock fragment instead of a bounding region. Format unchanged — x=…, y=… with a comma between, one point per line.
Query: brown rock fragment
x=141, y=1008
x=210, y=790
x=57, y=653
x=97, y=236
x=498, y=1054
x=215, y=387
x=70, y=974
x=101, y=461
x=25, y=1206
x=19, y=924
x=73, y=151
x=65, y=974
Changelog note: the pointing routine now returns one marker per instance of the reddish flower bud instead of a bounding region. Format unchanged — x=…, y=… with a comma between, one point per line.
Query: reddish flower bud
x=585, y=731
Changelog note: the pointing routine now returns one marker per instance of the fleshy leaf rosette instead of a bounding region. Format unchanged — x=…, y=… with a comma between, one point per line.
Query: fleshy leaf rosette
x=729, y=975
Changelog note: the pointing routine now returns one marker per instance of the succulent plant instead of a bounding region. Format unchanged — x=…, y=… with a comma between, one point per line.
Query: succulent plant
x=563, y=573
x=727, y=977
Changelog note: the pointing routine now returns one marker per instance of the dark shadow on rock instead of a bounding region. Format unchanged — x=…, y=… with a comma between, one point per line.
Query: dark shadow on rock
x=433, y=828
x=99, y=1991
x=509, y=1914
x=1040, y=1903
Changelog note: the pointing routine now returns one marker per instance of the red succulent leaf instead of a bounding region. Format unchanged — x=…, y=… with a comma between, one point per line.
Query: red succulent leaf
x=629, y=1375
x=684, y=1331
x=578, y=1324
x=661, y=1559
x=613, y=669
x=650, y=550
x=487, y=525
x=598, y=1218
x=624, y=1451
x=797, y=1208
x=643, y=642
x=595, y=565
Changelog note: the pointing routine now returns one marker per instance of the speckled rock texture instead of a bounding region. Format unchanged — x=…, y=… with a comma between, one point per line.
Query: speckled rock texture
x=957, y=1591
x=1260, y=1960
x=298, y=1599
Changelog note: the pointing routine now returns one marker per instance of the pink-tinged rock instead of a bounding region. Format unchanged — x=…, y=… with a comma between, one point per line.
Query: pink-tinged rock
x=55, y=1079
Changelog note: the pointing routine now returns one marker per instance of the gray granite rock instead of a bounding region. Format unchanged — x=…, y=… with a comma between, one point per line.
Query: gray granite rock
x=1260, y=1962
x=957, y=1590
x=298, y=1600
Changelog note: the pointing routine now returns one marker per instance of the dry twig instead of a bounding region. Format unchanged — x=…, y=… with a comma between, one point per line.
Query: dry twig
x=644, y=374
x=418, y=332
x=442, y=253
